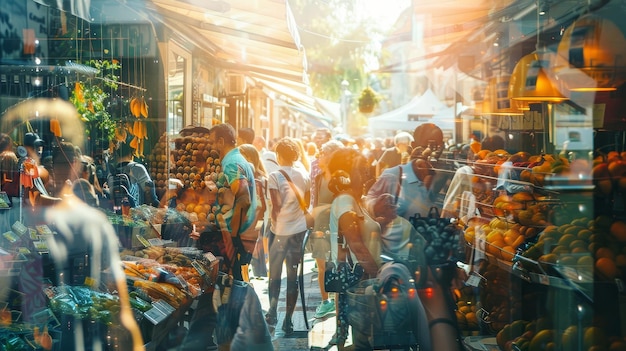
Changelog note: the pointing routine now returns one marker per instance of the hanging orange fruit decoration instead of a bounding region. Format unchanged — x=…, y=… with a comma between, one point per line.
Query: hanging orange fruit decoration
x=55, y=127
x=78, y=91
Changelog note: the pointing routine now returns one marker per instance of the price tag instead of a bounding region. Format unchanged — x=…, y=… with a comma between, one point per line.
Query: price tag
x=143, y=241
x=198, y=268
x=544, y=279
x=155, y=242
x=43, y=229
x=10, y=236
x=19, y=228
x=33, y=234
x=154, y=315
x=210, y=256
x=164, y=307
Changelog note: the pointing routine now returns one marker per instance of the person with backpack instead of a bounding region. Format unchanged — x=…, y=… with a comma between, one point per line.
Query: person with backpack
x=140, y=187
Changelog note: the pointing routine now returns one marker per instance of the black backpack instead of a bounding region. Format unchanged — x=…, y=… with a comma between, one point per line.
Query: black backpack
x=121, y=189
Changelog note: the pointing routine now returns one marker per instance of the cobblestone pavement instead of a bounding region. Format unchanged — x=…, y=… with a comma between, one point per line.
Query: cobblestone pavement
x=320, y=330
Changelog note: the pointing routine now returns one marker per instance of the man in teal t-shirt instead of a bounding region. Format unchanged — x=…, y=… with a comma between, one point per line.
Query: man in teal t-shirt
x=239, y=177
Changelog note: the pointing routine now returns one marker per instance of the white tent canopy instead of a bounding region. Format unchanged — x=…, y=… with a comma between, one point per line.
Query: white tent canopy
x=422, y=109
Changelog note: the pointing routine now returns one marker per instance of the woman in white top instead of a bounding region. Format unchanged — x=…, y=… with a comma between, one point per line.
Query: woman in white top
x=288, y=226
x=351, y=224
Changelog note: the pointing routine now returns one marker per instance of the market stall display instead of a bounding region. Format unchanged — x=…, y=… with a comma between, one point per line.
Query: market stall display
x=163, y=282
x=541, y=248
x=188, y=158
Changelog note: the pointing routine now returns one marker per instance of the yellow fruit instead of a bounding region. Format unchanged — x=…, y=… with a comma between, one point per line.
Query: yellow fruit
x=495, y=235
x=584, y=234
x=594, y=336
x=469, y=235
x=548, y=258
x=541, y=340
x=143, y=108
x=566, y=239
x=511, y=235
x=569, y=339
x=567, y=260
x=523, y=196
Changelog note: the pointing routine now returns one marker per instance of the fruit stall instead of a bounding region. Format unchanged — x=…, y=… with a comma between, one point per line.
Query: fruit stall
x=43, y=314
x=547, y=262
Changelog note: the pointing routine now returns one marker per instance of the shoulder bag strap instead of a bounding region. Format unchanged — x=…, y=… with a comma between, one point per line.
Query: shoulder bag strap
x=293, y=187
x=399, y=186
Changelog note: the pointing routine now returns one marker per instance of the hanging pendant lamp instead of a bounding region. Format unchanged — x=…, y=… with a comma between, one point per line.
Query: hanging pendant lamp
x=591, y=55
x=530, y=81
x=496, y=99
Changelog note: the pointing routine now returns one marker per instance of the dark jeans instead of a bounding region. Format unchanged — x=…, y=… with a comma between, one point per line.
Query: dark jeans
x=200, y=334
x=287, y=249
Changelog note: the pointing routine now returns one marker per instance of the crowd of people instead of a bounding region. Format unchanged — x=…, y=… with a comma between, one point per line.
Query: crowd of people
x=361, y=192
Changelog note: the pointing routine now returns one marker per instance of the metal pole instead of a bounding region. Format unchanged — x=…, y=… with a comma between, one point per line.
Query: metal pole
x=344, y=105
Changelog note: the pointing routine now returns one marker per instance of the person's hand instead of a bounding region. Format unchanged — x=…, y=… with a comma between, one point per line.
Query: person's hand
x=195, y=235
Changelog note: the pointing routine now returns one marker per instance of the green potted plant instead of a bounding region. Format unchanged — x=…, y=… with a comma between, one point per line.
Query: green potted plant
x=368, y=100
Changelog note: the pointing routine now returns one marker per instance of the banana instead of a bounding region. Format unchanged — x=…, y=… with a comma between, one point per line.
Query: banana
x=135, y=108
x=120, y=133
x=144, y=108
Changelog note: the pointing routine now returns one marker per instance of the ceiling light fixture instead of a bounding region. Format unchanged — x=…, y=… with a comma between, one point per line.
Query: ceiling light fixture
x=591, y=55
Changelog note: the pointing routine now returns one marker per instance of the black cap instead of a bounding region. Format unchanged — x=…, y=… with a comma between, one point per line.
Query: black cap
x=32, y=140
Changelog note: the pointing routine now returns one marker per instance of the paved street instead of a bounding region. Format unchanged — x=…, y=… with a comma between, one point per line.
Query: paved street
x=320, y=331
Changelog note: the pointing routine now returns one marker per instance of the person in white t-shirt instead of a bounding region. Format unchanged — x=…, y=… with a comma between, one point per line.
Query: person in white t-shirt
x=290, y=190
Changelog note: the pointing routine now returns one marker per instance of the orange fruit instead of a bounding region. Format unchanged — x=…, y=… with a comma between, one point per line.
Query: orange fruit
x=618, y=230
x=617, y=345
x=605, y=186
x=494, y=247
x=620, y=260
x=507, y=253
x=621, y=183
x=607, y=267
x=605, y=252
x=578, y=250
